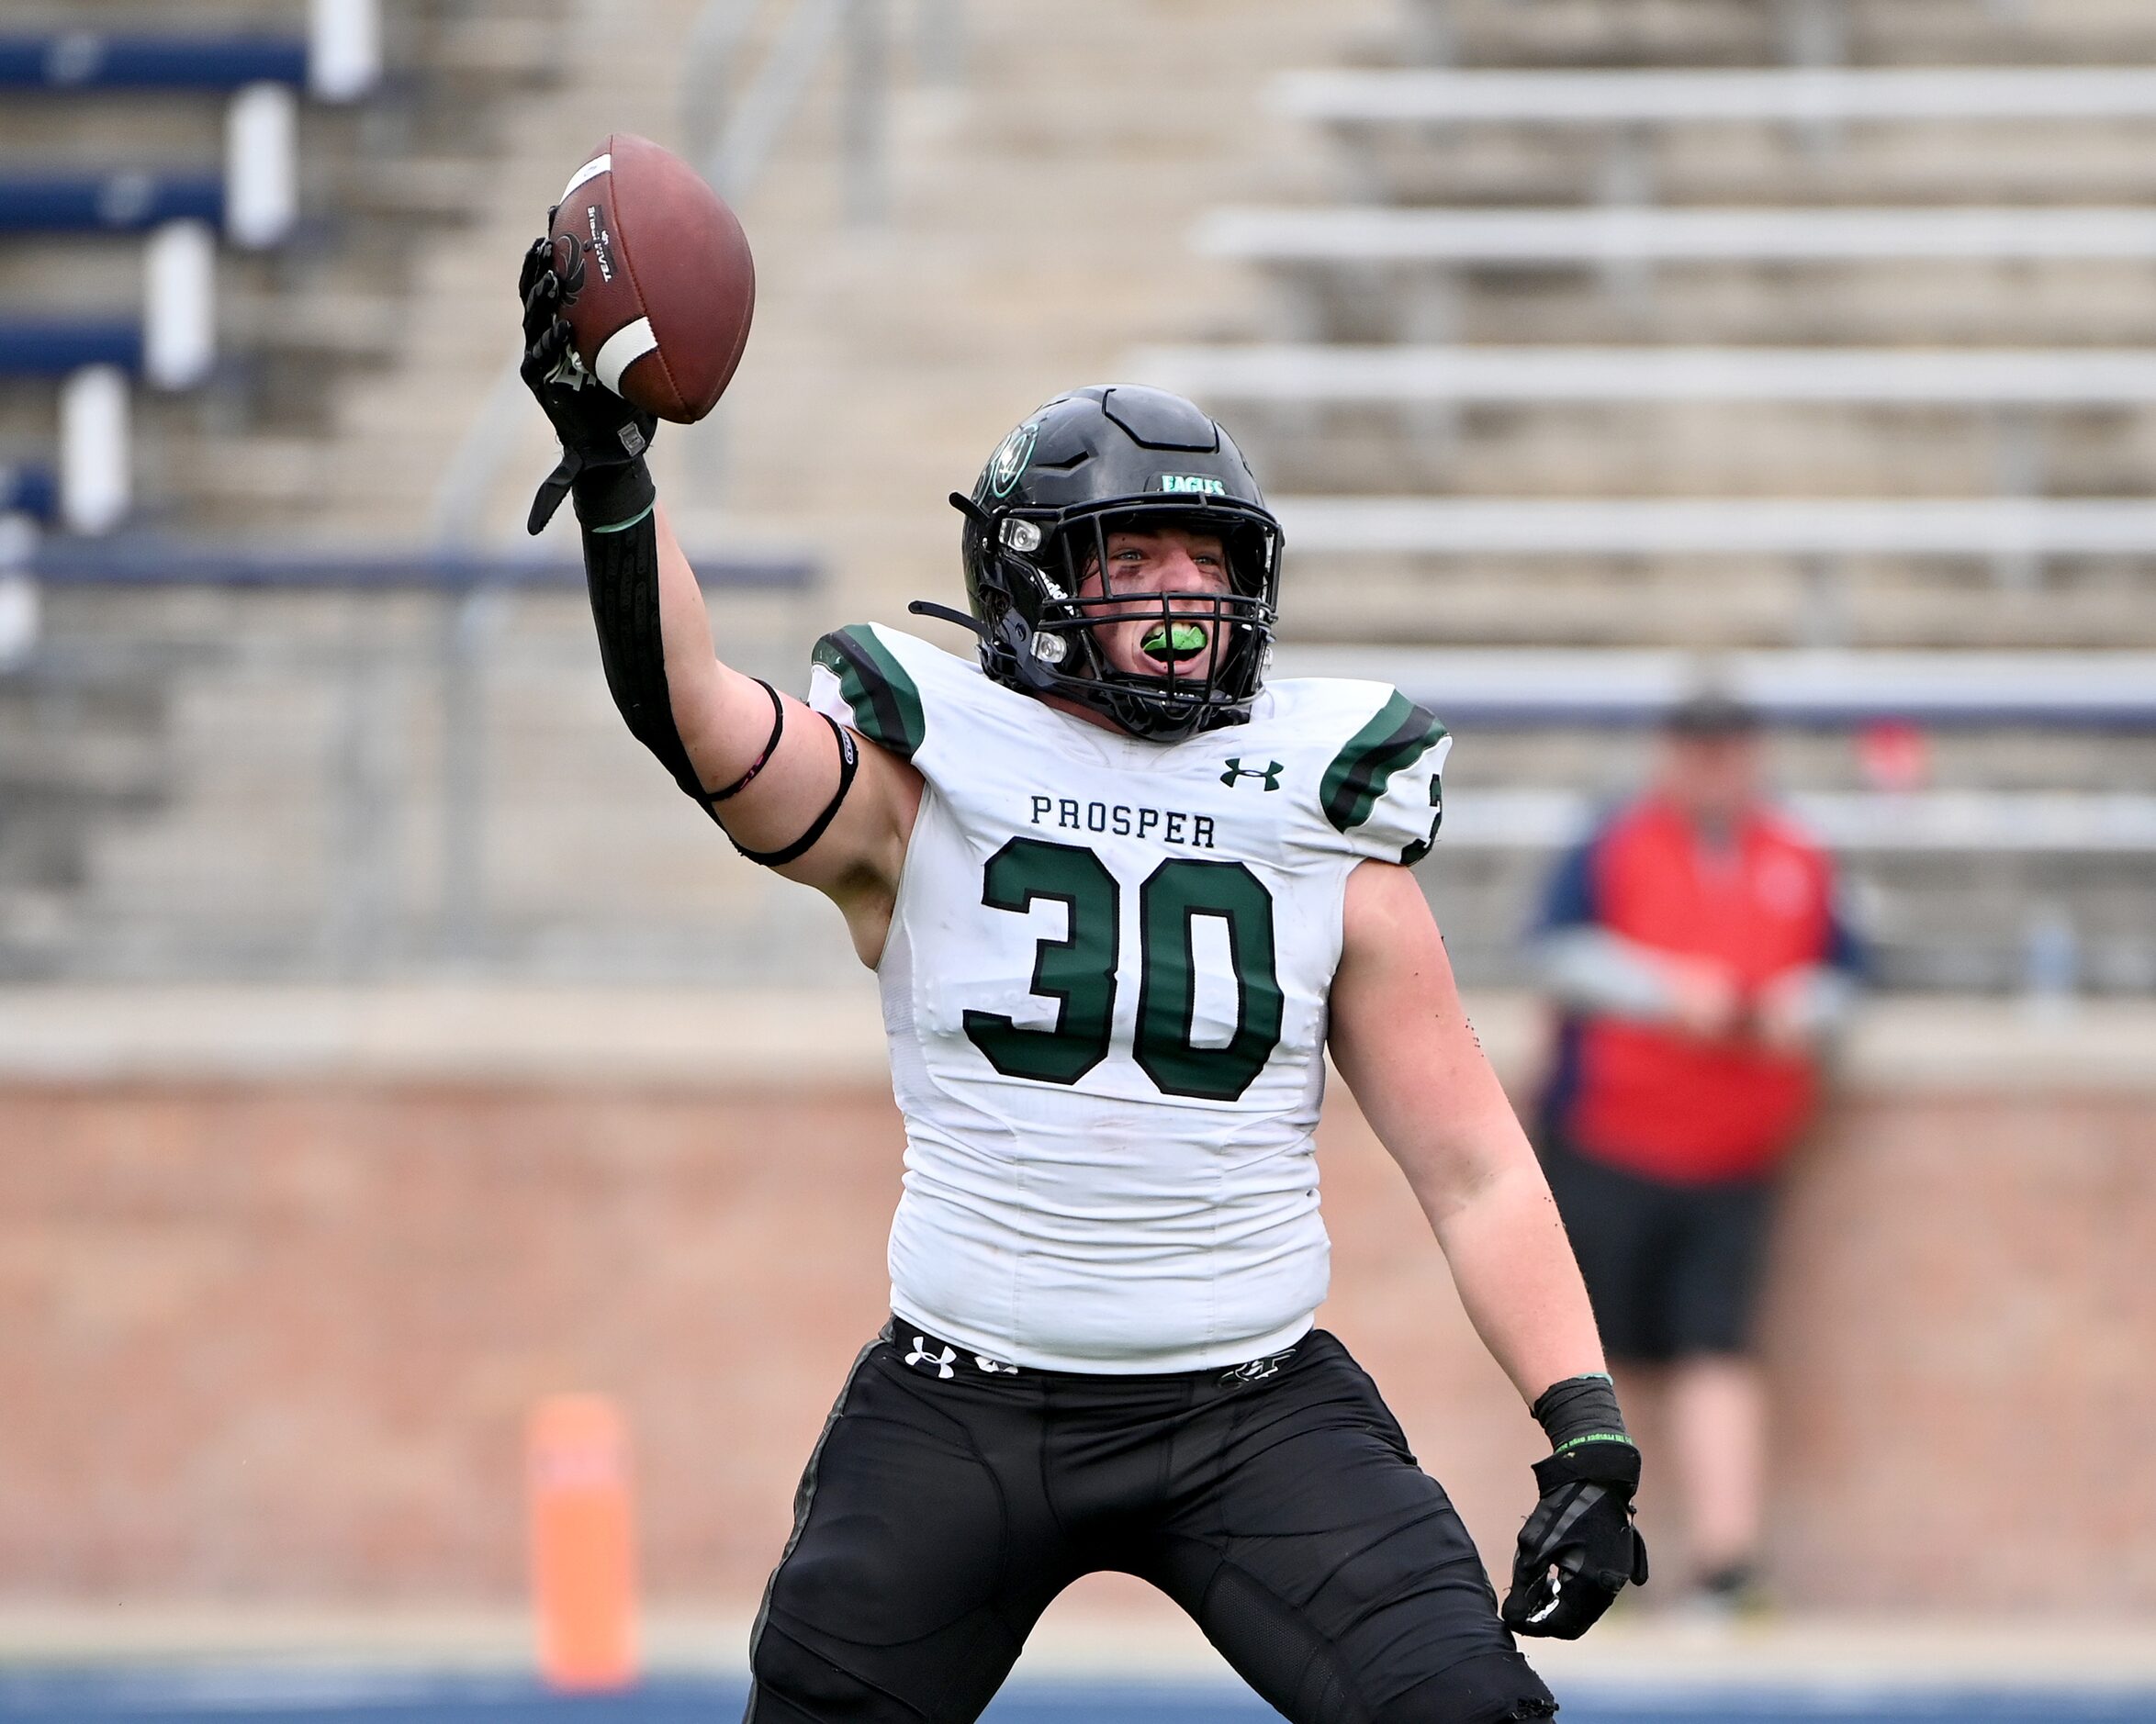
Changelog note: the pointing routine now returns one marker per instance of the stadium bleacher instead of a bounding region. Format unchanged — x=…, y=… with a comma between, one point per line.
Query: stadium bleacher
x=214, y=560
x=1608, y=305
x=175, y=211
x=1307, y=375
x=1581, y=239
x=71, y=60
x=1661, y=96
x=117, y=201
x=30, y=490
x=1858, y=359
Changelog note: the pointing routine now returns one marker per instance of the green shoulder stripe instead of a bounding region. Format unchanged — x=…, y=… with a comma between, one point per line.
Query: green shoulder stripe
x=886, y=705
x=1400, y=734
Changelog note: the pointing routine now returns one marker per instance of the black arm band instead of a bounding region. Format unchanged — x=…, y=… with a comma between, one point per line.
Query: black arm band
x=770, y=747
x=621, y=570
x=850, y=760
x=1580, y=1410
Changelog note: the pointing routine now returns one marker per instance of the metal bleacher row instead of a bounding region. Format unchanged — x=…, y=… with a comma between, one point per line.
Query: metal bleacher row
x=1790, y=95
x=1626, y=239
x=175, y=213
x=2007, y=532
x=1418, y=260
x=1594, y=379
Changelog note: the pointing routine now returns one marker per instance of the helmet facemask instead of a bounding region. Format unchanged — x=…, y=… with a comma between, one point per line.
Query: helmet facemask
x=1212, y=644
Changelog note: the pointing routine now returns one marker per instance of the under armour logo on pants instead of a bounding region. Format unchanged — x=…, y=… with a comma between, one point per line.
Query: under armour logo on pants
x=922, y=1356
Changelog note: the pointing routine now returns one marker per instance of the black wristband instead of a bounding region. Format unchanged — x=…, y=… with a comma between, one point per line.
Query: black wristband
x=616, y=496
x=1580, y=1410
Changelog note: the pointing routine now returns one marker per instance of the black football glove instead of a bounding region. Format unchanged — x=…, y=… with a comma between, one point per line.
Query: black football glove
x=1578, y=1546
x=602, y=435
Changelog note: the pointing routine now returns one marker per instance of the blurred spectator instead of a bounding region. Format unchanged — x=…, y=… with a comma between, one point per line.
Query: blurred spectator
x=1693, y=950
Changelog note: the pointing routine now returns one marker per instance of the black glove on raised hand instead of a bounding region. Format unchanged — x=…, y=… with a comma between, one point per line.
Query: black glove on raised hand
x=1578, y=1546
x=602, y=437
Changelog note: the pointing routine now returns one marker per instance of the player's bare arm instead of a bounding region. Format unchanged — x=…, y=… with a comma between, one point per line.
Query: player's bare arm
x=727, y=719
x=1402, y=1038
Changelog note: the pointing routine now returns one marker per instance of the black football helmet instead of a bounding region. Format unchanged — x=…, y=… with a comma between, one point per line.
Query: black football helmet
x=1098, y=460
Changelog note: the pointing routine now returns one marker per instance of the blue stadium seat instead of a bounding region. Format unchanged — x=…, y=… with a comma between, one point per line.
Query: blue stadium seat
x=29, y=489
x=121, y=201
x=96, y=60
x=53, y=347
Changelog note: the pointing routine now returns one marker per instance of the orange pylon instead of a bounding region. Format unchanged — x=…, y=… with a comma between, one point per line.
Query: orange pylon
x=583, y=1555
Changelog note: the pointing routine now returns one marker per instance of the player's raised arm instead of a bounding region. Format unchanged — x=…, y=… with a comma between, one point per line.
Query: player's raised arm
x=791, y=789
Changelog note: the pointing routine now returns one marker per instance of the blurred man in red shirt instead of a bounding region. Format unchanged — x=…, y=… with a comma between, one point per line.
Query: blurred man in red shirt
x=1694, y=951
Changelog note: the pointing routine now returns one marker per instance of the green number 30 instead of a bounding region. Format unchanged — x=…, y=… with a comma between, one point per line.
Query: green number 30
x=1078, y=972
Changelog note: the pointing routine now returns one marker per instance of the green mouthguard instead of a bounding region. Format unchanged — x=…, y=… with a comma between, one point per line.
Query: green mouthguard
x=1179, y=638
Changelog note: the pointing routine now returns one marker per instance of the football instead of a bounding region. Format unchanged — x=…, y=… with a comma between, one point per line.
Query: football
x=658, y=283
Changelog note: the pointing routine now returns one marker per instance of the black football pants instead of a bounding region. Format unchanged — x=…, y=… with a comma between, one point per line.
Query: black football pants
x=949, y=1499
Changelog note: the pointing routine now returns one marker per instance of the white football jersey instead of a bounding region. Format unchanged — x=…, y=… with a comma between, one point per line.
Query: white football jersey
x=1105, y=988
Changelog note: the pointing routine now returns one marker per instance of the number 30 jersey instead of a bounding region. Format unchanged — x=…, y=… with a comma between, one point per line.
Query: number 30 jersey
x=1105, y=988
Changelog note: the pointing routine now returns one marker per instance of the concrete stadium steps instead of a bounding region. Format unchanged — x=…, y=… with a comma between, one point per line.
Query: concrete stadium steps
x=292, y=817
x=1624, y=450
x=1765, y=32
x=1603, y=763
x=1755, y=163
x=1729, y=451
x=1756, y=136
x=1936, y=920
x=277, y=809
x=79, y=756
x=2003, y=305
x=1946, y=924
x=1714, y=603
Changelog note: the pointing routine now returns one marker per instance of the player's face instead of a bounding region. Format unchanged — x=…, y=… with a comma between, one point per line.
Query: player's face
x=1137, y=638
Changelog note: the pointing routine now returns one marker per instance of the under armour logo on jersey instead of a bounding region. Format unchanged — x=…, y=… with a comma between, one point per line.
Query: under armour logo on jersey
x=1270, y=772
x=923, y=1356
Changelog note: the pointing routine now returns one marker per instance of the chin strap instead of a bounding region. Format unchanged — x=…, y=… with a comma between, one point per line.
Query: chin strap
x=944, y=613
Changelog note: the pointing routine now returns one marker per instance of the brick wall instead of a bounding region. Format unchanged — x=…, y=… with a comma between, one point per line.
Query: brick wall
x=275, y=1340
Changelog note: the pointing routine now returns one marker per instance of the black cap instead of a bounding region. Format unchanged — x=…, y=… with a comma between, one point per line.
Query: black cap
x=1711, y=712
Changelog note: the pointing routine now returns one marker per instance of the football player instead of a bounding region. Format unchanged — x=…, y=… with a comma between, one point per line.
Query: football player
x=1122, y=895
